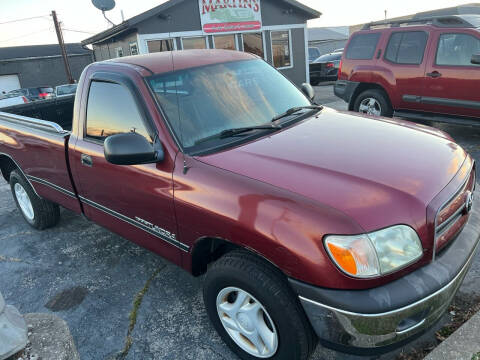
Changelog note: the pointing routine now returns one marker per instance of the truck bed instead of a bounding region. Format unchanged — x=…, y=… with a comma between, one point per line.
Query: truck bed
x=35, y=137
x=58, y=111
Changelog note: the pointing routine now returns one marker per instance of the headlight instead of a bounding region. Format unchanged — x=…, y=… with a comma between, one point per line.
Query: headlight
x=376, y=253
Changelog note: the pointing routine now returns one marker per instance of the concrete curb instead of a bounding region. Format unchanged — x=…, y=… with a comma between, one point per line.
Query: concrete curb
x=463, y=344
x=50, y=338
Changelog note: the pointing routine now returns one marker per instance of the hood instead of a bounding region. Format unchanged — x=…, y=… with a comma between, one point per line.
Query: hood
x=379, y=172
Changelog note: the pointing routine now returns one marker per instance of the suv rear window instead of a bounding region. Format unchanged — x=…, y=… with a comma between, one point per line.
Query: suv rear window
x=362, y=46
x=406, y=47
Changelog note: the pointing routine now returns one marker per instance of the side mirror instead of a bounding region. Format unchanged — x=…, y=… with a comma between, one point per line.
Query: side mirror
x=308, y=90
x=475, y=59
x=131, y=149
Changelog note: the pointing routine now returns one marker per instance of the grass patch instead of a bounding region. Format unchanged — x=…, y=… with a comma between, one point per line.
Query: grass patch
x=476, y=356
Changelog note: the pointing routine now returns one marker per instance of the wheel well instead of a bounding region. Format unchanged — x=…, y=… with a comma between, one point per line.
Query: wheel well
x=7, y=165
x=361, y=88
x=207, y=250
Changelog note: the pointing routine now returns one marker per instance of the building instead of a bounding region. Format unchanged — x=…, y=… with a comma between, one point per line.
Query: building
x=40, y=65
x=276, y=30
x=328, y=39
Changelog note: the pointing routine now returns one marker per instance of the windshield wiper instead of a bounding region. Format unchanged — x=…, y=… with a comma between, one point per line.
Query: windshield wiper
x=293, y=110
x=237, y=131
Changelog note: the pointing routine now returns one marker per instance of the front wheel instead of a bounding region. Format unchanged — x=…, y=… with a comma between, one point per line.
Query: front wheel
x=254, y=311
x=373, y=102
x=37, y=212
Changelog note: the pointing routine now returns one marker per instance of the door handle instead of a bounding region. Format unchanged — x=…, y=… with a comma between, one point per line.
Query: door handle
x=87, y=160
x=434, y=74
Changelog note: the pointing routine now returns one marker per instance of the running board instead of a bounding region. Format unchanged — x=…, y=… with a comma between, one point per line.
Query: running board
x=438, y=118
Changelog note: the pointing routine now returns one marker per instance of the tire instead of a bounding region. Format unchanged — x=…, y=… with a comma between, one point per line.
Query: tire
x=384, y=108
x=265, y=285
x=314, y=82
x=41, y=214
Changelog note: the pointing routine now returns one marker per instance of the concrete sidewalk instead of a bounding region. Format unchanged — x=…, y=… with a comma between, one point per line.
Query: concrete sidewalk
x=463, y=344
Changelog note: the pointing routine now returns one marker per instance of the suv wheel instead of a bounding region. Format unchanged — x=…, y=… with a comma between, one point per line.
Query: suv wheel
x=254, y=311
x=37, y=212
x=373, y=102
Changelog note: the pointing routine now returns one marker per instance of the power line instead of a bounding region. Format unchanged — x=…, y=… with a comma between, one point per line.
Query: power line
x=78, y=31
x=24, y=19
x=29, y=34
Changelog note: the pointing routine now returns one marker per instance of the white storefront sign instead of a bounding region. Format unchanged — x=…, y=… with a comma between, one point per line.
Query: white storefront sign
x=220, y=16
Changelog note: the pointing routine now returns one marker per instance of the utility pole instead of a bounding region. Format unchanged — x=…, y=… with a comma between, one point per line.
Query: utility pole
x=62, y=48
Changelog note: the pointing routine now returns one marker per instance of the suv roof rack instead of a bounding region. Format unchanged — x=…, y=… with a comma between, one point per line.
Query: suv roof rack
x=451, y=21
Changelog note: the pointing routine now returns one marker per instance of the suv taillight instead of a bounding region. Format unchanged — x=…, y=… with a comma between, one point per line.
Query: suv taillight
x=340, y=69
x=330, y=65
x=25, y=100
x=43, y=95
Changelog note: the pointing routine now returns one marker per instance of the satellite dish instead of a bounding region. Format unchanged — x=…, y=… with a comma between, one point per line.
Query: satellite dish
x=104, y=5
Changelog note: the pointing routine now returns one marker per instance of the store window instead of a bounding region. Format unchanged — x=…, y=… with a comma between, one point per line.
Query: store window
x=194, y=43
x=226, y=42
x=160, y=45
x=282, y=56
x=119, y=52
x=253, y=43
x=133, y=48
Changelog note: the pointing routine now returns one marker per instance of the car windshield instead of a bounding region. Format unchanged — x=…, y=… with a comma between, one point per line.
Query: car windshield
x=66, y=89
x=329, y=57
x=202, y=102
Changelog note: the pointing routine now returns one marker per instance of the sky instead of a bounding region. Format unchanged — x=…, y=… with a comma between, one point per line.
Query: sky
x=80, y=19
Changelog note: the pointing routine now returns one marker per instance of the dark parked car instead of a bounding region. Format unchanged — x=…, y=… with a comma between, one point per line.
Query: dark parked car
x=35, y=93
x=425, y=68
x=309, y=223
x=325, y=68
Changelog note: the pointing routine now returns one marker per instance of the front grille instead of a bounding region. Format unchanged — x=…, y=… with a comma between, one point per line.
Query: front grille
x=452, y=217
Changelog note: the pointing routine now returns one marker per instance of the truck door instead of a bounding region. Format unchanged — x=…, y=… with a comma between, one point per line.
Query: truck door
x=452, y=81
x=133, y=201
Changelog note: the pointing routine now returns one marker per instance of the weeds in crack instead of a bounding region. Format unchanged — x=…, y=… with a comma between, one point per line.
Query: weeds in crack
x=132, y=317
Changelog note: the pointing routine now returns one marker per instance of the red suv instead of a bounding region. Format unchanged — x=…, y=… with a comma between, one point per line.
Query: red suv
x=424, y=68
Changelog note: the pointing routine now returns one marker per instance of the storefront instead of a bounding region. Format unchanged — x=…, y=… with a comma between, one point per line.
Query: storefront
x=275, y=30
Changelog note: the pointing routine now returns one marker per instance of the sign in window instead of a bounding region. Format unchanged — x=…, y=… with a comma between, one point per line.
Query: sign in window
x=226, y=42
x=253, y=43
x=282, y=56
x=194, y=43
x=160, y=45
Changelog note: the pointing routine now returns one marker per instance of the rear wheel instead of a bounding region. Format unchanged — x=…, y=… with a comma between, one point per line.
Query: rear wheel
x=373, y=102
x=254, y=311
x=37, y=212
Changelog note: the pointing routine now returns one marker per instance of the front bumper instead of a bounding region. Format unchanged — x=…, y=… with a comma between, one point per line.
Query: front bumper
x=379, y=319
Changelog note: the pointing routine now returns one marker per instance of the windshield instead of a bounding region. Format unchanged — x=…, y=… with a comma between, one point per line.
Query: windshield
x=66, y=89
x=202, y=102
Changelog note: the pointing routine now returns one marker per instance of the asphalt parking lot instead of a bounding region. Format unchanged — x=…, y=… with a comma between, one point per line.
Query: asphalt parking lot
x=91, y=277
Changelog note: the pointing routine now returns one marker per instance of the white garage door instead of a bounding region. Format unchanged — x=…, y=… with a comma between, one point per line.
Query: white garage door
x=9, y=83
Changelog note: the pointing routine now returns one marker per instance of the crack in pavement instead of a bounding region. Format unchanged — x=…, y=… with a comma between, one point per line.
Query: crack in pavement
x=137, y=302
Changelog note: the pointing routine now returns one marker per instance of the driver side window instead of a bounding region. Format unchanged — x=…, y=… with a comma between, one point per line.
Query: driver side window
x=112, y=110
x=457, y=49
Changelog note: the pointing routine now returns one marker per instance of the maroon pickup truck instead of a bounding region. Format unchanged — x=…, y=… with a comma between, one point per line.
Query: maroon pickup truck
x=309, y=223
